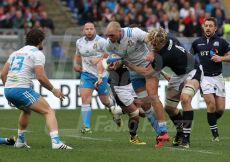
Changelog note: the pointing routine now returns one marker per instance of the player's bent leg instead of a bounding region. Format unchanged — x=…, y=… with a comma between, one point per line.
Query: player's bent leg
x=114, y=109
x=220, y=106
x=187, y=94
x=42, y=107
x=8, y=141
x=171, y=103
x=107, y=98
x=148, y=111
x=152, y=90
x=133, y=113
x=176, y=117
x=22, y=125
x=160, y=128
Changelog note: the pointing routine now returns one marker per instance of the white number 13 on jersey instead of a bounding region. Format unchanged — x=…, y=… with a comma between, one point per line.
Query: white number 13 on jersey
x=16, y=64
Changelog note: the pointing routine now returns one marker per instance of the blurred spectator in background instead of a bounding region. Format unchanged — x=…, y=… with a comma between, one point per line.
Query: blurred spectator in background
x=3, y=18
x=46, y=22
x=193, y=28
x=18, y=20
x=176, y=16
x=19, y=14
x=227, y=28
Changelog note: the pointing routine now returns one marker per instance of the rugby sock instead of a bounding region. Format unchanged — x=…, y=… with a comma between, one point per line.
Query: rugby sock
x=111, y=102
x=187, y=124
x=153, y=121
x=21, y=136
x=55, y=137
x=178, y=122
x=162, y=127
x=219, y=114
x=3, y=141
x=86, y=113
x=212, y=121
x=133, y=125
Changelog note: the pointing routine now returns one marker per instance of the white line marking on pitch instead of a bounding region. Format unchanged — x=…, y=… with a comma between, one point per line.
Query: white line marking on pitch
x=89, y=138
x=194, y=150
x=12, y=129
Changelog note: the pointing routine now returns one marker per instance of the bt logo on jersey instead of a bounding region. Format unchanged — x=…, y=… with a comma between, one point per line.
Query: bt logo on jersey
x=204, y=53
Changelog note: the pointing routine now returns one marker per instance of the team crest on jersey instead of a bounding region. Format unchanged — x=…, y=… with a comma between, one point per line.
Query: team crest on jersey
x=216, y=44
x=95, y=46
x=130, y=43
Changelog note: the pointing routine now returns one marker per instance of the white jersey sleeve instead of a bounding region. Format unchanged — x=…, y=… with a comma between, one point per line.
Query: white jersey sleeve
x=139, y=34
x=9, y=59
x=77, y=48
x=102, y=44
x=39, y=59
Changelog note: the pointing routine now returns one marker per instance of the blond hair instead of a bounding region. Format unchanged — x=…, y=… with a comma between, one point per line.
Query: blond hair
x=158, y=37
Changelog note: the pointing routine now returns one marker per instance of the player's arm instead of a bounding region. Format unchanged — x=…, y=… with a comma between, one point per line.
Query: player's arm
x=100, y=71
x=77, y=63
x=225, y=49
x=146, y=71
x=4, y=72
x=44, y=81
x=165, y=75
x=225, y=58
x=77, y=66
x=39, y=71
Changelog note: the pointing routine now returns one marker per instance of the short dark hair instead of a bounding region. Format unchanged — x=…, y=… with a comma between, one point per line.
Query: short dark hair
x=213, y=19
x=34, y=37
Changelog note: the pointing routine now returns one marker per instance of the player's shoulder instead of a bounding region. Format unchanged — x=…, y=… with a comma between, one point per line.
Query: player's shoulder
x=80, y=40
x=99, y=38
x=198, y=40
x=34, y=52
x=221, y=39
x=128, y=31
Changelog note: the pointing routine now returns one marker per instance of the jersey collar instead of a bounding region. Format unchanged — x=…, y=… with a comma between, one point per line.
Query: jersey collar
x=212, y=37
x=90, y=39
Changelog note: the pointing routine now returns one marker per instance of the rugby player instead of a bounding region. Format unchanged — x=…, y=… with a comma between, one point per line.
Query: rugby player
x=182, y=86
x=17, y=75
x=130, y=44
x=212, y=50
x=89, y=51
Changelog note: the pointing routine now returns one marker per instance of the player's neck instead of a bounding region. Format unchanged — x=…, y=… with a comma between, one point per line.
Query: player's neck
x=90, y=38
x=121, y=36
x=210, y=36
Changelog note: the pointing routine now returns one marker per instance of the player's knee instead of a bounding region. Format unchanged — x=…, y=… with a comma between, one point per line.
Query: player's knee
x=211, y=105
x=142, y=94
x=26, y=112
x=134, y=114
x=169, y=103
x=141, y=112
x=185, y=100
x=49, y=111
x=189, y=90
x=154, y=98
x=86, y=99
x=171, y=111
x=219, y=113
x=107, y=103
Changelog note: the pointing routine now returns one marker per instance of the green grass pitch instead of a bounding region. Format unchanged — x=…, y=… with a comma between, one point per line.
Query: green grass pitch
x=109, y=143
